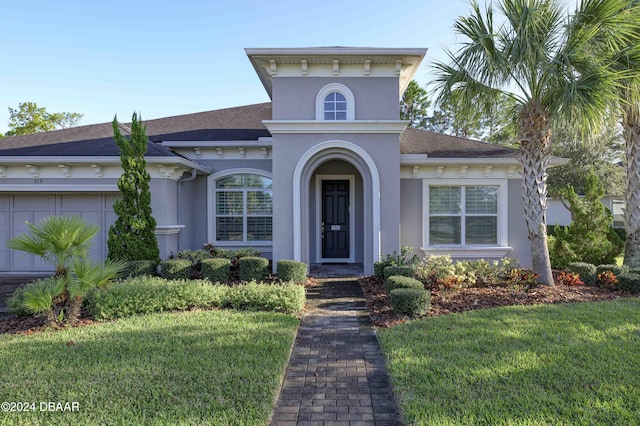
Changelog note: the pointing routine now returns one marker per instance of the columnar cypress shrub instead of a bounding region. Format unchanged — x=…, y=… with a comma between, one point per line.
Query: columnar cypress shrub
x=132, y=236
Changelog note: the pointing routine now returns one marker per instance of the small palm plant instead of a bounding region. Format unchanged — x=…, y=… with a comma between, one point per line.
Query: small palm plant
x=86, y=276
x=58, y=240
x=64, y=241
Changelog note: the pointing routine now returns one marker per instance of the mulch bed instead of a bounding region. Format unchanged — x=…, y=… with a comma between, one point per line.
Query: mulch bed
x=379, y=305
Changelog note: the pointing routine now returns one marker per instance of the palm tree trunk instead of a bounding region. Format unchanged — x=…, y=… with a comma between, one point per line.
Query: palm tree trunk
x=535, y=154
x=73, y=310
x=631, y=133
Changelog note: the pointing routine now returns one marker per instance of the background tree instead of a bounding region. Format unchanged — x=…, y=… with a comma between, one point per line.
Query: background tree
x=544, y=60
x=600, y=154
x=414, y=105
x=132, y=236
x=28, y=118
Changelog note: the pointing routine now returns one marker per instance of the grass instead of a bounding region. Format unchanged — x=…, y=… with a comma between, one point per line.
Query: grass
x=205, y=367
x=534, y=365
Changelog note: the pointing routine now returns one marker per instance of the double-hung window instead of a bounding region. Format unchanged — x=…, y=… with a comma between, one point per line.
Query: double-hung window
x=463, y=215
x=244, y=208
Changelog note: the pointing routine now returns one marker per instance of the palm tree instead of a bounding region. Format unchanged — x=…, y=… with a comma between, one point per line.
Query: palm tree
x=58, y=240
x=543, y=59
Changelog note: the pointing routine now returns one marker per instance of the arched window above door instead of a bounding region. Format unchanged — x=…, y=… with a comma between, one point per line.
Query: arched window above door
x=335, y=102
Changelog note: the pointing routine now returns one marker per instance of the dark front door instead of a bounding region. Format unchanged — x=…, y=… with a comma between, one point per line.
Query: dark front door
x=335, y=219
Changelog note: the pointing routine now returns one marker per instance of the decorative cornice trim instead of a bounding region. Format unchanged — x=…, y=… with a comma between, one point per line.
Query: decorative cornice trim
x=315, y=126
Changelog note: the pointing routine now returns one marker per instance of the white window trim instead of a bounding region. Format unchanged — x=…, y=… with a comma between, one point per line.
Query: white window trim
x=344, y=91
x=211, y=207
x=469, y=251
x=352, y=218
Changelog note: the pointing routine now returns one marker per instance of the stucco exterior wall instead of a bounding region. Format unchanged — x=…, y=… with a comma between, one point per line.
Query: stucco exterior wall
x=383, y=149
x=518, y=236
x=411, y=214
x=376, y=98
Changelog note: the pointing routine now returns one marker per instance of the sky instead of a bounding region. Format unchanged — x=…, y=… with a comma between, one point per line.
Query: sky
x=164, y=58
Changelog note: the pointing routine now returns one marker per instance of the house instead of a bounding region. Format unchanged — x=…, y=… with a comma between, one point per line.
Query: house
x=326, y=172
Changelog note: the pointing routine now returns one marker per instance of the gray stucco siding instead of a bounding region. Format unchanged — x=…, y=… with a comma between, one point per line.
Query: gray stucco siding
x=376, y=98
x=411, y=214
x=518, y=235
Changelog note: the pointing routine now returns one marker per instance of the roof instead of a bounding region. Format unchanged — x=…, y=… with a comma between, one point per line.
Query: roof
x=242, y=123
x=439, y=145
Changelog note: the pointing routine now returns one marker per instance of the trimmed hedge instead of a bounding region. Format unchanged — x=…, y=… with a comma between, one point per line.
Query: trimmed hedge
x=629, y=281
x=587, y=272
x=617, y=270
x=401, y=281
x=217, y=270
x=175, y=269
x=406, y=271
x=288, y=297
x=135, y=268
x=253, y=268
x=291, y=270
x=410, y=301
x=145, y=294
x=378, y=269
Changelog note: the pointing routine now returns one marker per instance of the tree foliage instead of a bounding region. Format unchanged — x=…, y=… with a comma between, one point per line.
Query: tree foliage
x=29, y=118
x=414, y=106
x=554, y=66
x=590, y=237
x=601, y=154
x=132, y=236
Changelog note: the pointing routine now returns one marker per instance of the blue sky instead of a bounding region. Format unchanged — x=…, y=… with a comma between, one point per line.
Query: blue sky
x=166, y=58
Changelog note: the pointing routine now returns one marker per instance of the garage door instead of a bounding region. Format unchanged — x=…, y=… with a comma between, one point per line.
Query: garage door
x=15, y=209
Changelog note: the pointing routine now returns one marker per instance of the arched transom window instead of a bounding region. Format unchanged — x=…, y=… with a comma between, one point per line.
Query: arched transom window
x=244, y=208
x=335, y=102
x=335, y=106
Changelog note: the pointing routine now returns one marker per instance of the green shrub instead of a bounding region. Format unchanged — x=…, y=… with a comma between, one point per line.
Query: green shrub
x=143, y=295
x=135, y=268
x=15, y=303
x=253, y=268
x=288, y=297
x=410, y=301
x=589, y=238
x=406, y=271
x=629, y=281
x=217, y=270
x=231, y=254
x=587, y=271
x=616, y=269
x=194, y=255
x=404, y=258
x=175, y=269
x=291, y=270
x=401, y=281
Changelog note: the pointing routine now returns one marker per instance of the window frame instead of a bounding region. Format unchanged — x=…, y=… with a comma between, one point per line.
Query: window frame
x=213, y=190
x=335, y=88
x=501, y=216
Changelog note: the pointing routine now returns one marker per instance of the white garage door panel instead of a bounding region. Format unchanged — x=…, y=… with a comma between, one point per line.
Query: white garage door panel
x=18, y=208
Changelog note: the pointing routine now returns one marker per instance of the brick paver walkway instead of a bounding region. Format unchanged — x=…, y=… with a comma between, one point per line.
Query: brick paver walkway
x=336, y=374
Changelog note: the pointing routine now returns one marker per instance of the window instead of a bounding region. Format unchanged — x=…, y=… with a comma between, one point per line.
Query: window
x=463, y=215
x=244, y=208
x=335, y=102
x=335, y=107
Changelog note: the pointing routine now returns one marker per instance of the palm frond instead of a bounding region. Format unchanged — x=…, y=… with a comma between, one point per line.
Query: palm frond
x=88, y=275
x=40, y=299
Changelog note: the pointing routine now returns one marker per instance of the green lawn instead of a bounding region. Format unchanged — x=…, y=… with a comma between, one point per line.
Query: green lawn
x=535, y=365
x=209, y=367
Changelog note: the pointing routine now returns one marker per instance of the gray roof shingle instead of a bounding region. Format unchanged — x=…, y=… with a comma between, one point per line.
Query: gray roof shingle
x=229, y=124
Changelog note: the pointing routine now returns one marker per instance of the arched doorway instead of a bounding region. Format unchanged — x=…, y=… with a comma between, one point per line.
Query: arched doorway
x=328, y=171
